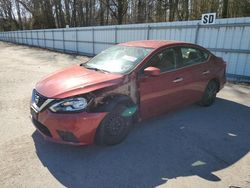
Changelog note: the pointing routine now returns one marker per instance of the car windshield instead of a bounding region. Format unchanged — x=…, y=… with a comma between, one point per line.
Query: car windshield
x=118, y=59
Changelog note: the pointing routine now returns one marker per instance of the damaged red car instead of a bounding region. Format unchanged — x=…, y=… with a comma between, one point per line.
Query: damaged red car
x=98, y=101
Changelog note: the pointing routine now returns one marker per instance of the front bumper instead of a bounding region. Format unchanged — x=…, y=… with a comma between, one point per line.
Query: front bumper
x=68, y=128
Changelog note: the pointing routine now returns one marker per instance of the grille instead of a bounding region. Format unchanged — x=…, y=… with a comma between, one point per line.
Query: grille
x=39, y=99
x=41, y=128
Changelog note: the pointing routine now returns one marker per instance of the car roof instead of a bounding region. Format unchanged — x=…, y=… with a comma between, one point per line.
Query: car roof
x=152, y=43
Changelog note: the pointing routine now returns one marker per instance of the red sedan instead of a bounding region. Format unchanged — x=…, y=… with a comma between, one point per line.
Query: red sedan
x=98, y=101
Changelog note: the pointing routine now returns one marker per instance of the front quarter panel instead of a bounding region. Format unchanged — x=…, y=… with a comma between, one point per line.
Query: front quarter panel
x=128, y=88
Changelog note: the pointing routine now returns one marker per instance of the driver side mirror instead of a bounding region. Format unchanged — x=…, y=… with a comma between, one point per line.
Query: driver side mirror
x=152, y=71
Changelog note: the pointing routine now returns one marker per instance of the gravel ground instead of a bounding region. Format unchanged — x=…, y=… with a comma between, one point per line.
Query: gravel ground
x=192, y=147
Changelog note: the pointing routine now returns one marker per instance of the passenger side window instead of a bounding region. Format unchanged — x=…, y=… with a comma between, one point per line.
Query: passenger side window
x=165, y=60
x=190, y=56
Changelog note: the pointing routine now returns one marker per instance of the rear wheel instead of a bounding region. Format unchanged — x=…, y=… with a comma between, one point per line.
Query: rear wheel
x=209, y=94
x=115, y=126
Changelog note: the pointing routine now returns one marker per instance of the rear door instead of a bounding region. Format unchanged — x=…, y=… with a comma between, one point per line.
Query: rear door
x=194, y=62
x=164, y=92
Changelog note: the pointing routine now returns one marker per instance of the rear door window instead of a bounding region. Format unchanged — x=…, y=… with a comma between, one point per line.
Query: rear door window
x=191, y=56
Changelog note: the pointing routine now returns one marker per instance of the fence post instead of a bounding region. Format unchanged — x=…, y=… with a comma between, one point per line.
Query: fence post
x=19, y=37
x=63, y=41
x=31, y=34
x=77, y=51
x=14, y=37
x=93, y=41
x=26, y=37
x=44, y=38
x=53, y=38
x=37, y=39
x=22, y=37
x=148, y=32
x=197, y=33
x=116, y=35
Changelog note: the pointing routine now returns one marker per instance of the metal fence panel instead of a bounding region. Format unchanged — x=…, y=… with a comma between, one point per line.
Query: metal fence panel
x=84, y=35
x=227, y=38
x=85, y=48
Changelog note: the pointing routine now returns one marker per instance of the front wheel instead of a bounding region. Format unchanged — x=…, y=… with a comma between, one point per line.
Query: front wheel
x=209, y=94
x=115, y=126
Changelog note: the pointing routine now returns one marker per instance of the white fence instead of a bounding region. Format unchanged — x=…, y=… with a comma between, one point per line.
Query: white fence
x=227, y=38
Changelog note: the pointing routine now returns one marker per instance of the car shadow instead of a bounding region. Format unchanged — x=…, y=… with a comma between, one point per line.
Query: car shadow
x=192, y=141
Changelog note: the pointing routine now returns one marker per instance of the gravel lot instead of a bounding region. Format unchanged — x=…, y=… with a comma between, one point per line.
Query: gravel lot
x=193, y=147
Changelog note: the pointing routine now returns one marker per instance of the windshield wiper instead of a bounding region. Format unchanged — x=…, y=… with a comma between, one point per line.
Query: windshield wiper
x=103, y=70
x=95, y=69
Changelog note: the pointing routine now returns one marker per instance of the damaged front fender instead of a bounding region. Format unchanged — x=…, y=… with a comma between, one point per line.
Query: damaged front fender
x=124, y=93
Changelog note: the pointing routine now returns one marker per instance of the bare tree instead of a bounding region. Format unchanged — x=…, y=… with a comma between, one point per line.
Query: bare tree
x=118, y=9
x=23, y=14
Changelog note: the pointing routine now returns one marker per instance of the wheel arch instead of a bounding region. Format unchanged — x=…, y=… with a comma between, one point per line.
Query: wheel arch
x=216, y=80
x=109, y=102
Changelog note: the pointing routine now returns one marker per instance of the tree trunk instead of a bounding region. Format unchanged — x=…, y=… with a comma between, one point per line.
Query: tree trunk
x=19, y=15
x=66, y=3
x=61, y=14
x=101, y=13
x=141, y=11
x=224, y=8
x=186, y=10
x=80, y=14
x=73, y=21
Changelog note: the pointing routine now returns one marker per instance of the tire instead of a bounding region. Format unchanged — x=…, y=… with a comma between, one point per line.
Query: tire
x=114, y=128
x=209, y=94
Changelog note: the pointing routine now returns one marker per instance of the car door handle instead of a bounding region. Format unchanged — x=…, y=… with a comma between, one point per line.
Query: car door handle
x=178, y=80
x=205, y=72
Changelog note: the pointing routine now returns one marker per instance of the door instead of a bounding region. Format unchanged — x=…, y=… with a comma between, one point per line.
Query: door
x=193, y=62
x=159, y=94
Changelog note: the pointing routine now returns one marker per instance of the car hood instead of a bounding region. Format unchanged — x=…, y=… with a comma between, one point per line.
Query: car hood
x=75, y=80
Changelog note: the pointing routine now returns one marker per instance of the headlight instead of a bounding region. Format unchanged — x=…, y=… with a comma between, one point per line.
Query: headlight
x=69, y=105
